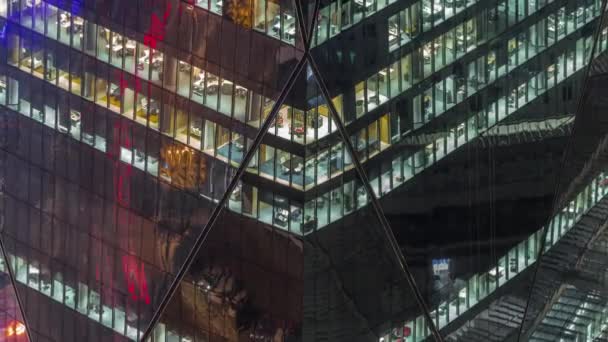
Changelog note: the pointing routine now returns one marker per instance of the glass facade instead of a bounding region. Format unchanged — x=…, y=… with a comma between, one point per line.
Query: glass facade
x=11, y=316
x=262, y=170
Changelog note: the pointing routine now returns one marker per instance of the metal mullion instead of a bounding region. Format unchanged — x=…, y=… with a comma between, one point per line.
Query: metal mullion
x=232, y=100
x=433, y=87
x=70, y=30
x=306, y=34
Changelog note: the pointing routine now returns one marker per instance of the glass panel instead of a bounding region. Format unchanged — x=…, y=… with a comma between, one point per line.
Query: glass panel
x=11, y=319
x=136, y=142
x=557, y=295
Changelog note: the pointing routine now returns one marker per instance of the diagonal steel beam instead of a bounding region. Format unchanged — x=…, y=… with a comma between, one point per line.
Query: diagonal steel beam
x=386, y=229
x=313, y=24
x=301, y=24
x=222, y=203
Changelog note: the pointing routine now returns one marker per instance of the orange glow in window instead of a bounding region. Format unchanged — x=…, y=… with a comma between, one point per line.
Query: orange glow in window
x=15, y=328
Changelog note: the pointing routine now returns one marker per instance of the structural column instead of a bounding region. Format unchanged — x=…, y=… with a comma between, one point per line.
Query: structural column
x=169, y=79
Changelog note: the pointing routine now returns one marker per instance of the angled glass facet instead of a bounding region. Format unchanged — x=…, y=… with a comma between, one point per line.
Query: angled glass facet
x=123, y=124
x=245, y=284
x=317, y=265
x=118, y=143
x=464, y=154
x=355, y=281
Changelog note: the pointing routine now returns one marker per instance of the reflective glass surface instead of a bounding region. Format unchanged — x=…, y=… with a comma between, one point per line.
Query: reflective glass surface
x=245, y=284
x=571, y=270
x=464, y=147
x=119, y=140
x=264, y=170
x=340, y=283
x=12, y=325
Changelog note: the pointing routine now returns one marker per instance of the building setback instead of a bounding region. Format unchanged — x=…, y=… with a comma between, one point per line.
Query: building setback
x=358, y=127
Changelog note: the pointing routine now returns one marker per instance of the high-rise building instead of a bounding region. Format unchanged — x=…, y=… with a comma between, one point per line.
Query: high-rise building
x=279, y=170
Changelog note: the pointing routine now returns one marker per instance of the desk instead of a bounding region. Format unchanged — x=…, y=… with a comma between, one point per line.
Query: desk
x=393, y=32
x=37, y=62
x=33, y=3
x=427, y=53
x=383, y=73
x=497, y=272
x=114, y=48
x=227, y=87
x=366, y=4
x=240, y=91
x=456, y=3
x=291, y=166
x=462, y=294
x=152, y=117
x=157, y=59
x=74, y=116
x=297, y=129
x=374, y=99
x=287, y=20
x=78, y=21
x=201, y=78
x=362, y=149
x=333, y=29
x=200, y=82
x=437, y=8
x=212, y=86
x=196, y=132
x=290, y=32
x=281, y=216
x=115, y=44
x=154, y=106
x=128, y=49
x=65, y=21
x=277, y=25
x=460, y=36
x=130, y=46
x=237, y=145
x=561, y=28
x=184, y=67
x=115, y=92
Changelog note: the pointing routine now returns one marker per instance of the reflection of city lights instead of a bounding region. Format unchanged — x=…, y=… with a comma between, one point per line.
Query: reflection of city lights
x=240, y=12
x=135, y=275
x=15, y=328
x=3, y=31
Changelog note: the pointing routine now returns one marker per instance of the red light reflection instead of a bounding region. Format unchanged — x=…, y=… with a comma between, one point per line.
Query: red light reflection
x=156, y=31
x=134, y=272
x=15, y=328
